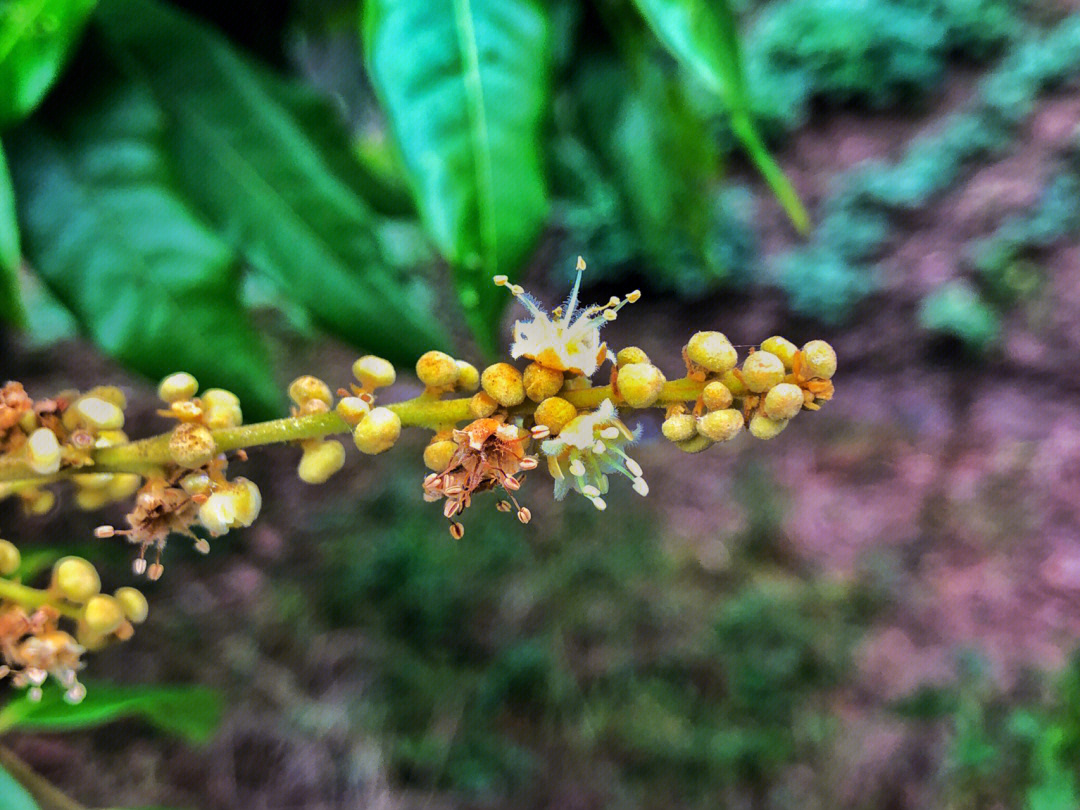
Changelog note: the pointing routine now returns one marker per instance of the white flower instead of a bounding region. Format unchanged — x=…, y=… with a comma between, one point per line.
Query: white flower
x=569, y=338
x=588, y=449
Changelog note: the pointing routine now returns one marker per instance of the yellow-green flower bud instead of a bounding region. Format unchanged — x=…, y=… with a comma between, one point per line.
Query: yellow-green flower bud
x=554, y=413
x=504, y=384
x=219, y=398
x=374, y=372
x=218, y=513
x=306, y=388
x=378, y=431
x=482, y=405
x=133, y=603
x=468, y=378
x=713, y=351
x=196, y=483
x=76, y=579
x=221, y=409
x=10, y=558
x=761, y=371
x=640, y=384
x=352, y=410
x=695, y=444
x=733, y=383
x=541, y=382
x=437, y=455
x=819, y=360
x=90, y=500
x=99, y=414
x=782, y=348
x=437, y=369
x=679, y=427
x=629, y=355
x=191, y=445
x=716, y=396
x=721, y=426
x=783, y=401
x=44, y=451
x=102, y=614
x=248, y=501
x=38, y=501
x=762, y=427
x=320, y=461
x=124, y=485
x=177, y=387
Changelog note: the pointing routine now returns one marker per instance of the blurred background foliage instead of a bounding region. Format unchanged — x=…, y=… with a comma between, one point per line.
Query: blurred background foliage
x=220, y=187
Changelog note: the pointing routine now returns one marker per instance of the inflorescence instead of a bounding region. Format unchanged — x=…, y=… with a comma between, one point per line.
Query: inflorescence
x=489, y=429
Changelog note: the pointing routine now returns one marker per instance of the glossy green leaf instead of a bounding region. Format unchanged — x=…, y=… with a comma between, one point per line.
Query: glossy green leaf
x=13, y=796
x=190, y=712
x=105, y=228
x=36, y=37
x=245, y=151
x=464, y=84
x=704, y=37
x=11, y=309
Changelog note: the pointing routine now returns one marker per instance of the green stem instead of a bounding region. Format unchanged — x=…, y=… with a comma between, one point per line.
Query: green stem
x=45, y=793
x=33, y=598
x=149, y=454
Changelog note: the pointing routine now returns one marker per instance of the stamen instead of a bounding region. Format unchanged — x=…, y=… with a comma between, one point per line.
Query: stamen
x=139, y=566
x=500, y=281
x=503, y=506
x=634, y=296
x=610, y=432
x=589, y=491
x=540, y=432
x=577, y=468
x=457, y=530
x=528, y=463
x=202, y=546
x=104, y=532
x=599, y=448
x=599, y=503
x=524, y=515
x=640, y=487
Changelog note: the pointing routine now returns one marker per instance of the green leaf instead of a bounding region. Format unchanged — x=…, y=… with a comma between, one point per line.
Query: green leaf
x=107, y=231
x=11, y=308
x=464, y=84
x=36, y=37
x=246, y=153
x=703, y=36
x=190, y=712
x=13, y=796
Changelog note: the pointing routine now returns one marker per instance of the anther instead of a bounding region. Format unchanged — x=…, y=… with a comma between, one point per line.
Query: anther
x=104, y=532
x=457, y=530
x=524, y=515
x=154, y=572
x=540, y=431
x=576, y=467
x=500, y=281
x=503, y=506
x=528, y=463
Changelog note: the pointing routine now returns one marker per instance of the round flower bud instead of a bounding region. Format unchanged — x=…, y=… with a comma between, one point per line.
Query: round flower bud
x=640, y=384
x=109, y=393
x=575, y=382
x=721, y=426
x=468, y=378
x=679, y=427
x=716, y=396
x=123, y=485
x=99, y=414
x=378, y=431
x=218, y=513
x=819, y=360
x=352, y=410
x=783, y=401
x=221, y=409
x=307, y=387
x=191, y=445
x=437, y=455
x=713, y=351
x=320, y=461
x=133, y=603
x=177, y=387
x=436, y=369
x=248, y=500
x=44, y=451
x=762, y=427
x=76, y=579
x=90, y=500
x=631, y=354
x=102, y=614
x=504, y=384
x=554, y=413
x=541, y=382
x=696, y=444
x=374, y=372
x=38, y=501
x=761, y=371
x=782, y=348
x=10, y=558
x=482, y=405
x=733, y=383
x=196, y=483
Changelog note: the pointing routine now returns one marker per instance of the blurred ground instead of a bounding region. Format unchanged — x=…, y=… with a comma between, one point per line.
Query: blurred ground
x=945, y=483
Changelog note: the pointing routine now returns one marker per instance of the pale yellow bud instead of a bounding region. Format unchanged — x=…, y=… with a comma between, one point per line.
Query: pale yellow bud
x=679, y=427
x=819, y=360
x=374, y=372
x=102, y=614
x=10, y=558
x=306, y=388
x=221, y=409
x=733, y=383
x=99, y=414
x=482, y=405
x=38, y=501
x=352, y=410
x=713, y=351
x=133, y=603
x=437, y=455
x=783, y=401
x=762, y=427
x=197, y=483
x=761, y=371
x=177, y=387
x=109, y=393
x=44, y=451
x=320, y=461
x=468, y=378
x=90, y=500
x=640, y=384
x=721, y=426
x=695, y=444
x=504, y=384
x=716, y=396
x=541, y=382
x=123, y=485
x=437, y=369
x=218, y=513
x=782, y=348
x=191, y=445
x=248, y=500
x=378, y=431
x=629, y=355
x=76, y=579
x=555, y=413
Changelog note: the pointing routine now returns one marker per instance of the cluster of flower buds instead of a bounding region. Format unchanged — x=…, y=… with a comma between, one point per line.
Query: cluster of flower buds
x=33, y=643
x=60, y=433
